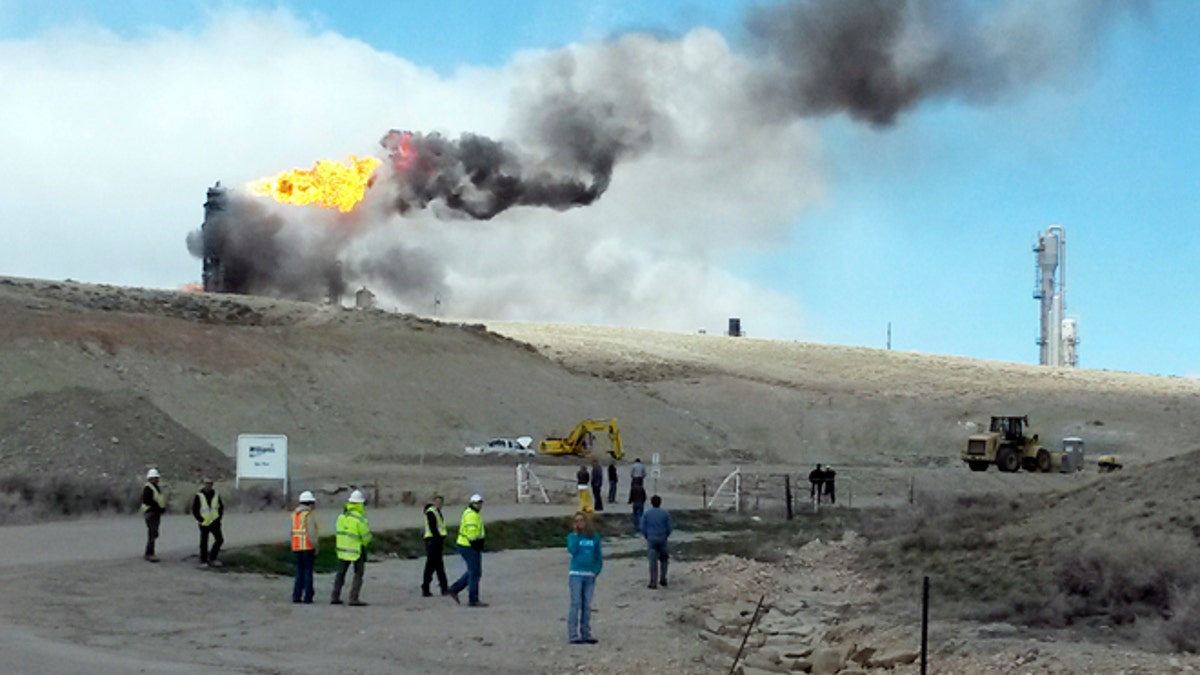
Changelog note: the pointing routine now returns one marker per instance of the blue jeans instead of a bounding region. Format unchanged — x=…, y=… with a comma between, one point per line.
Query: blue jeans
x=470, y=578
x=656, y=551
x=579, y=619
x=638, y=509
x=302, y=591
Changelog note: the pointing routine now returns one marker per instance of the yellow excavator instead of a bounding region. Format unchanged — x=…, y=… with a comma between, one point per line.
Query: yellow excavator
x=580, y=440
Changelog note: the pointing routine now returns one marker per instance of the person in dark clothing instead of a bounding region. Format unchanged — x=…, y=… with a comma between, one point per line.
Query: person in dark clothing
x=656, y=528
x=207, y=509
x=612, y=482
x=597, y=484
x=637, y=497
x=817, y=478
x=830, y=475
x=154, y=504
x=435, y=538
x=583, y=489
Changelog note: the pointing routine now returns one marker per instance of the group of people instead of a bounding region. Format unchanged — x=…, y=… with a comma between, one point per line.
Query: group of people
x=353, y=536
x=587, y=560
x=206, y=508
x=822, y=484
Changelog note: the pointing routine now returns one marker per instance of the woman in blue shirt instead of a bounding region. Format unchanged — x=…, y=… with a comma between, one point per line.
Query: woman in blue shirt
x=586, y=561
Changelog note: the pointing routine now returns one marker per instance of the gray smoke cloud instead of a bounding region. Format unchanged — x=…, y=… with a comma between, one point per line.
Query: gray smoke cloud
x=874, y=59
x=578, y=113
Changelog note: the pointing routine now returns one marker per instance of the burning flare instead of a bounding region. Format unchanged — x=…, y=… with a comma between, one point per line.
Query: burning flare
x=329, y=183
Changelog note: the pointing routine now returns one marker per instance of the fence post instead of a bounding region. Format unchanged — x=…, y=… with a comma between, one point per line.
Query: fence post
x=704, y=494
x=787, y=493
x=924, y=625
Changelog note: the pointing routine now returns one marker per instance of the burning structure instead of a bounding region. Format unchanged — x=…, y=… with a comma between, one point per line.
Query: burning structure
x=709, y=121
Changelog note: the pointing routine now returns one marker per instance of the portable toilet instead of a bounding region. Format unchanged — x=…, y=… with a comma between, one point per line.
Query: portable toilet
x=1072, y=458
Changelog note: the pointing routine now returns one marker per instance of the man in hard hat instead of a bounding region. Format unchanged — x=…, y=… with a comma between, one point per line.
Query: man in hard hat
x=353, y=537
x=435, y=538
x=304, y=545
x=470, y=546
x=207, y=509
x=154, y=503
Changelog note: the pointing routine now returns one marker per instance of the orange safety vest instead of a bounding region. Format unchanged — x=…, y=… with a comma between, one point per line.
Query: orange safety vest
x=300, y=540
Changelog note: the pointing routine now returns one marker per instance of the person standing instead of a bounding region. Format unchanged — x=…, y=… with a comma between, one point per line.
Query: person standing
x=816, y=478
x=637, y=497
x=154, y=504
x=583, y=487
x=656, y=528
x=587, y=559
x=471, y=536
x=207, y=509
x=637, y=473
x=612, y=482
x=353, y=537
x=435, y=538
x=304, y=545
x=597, y=484
x=830, y=475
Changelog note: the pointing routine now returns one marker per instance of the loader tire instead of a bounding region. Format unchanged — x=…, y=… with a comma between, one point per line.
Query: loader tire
x=1043, y=461
x=1007, y=460
x=978, y=466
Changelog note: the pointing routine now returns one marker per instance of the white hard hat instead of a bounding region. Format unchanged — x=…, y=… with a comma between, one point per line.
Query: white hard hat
x=152, y=473
x=476, y=498
x=307, y=497
x=357, y=497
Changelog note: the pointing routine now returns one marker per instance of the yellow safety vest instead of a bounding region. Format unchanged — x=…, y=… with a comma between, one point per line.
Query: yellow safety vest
x=209, y=512
x=470, y=528
x=353, y=535
x=158, y=497
x=300, y=539
x=441, y=522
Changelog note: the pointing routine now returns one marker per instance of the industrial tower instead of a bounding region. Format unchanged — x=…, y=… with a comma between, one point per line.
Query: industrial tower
x=1059, y=337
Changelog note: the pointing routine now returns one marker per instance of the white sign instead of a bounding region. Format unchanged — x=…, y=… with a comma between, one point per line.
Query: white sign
x=262, y=456
x=654, y=458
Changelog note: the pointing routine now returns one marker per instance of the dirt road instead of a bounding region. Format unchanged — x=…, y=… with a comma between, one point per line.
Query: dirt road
x=71, y=607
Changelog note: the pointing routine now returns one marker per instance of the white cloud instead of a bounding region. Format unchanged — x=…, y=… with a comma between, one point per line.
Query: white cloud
x=109, y=144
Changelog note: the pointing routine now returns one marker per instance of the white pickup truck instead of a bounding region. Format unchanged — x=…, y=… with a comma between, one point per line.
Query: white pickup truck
x=503, y=446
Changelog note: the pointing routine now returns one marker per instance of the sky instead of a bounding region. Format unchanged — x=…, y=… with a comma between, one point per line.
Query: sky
x=748, y=177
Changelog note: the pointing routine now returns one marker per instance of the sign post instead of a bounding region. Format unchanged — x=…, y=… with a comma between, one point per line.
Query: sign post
x=262, y=456
x=655, y=471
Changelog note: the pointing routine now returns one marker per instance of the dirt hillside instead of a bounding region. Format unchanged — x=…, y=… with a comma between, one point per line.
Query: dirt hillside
x=367, y=388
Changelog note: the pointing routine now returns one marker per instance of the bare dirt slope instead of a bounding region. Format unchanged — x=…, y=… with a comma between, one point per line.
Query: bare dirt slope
x=795, y=400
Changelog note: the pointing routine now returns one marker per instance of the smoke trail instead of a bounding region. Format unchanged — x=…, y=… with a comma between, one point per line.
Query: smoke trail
x=479, y=177
x=875, y=59
x=579, y=112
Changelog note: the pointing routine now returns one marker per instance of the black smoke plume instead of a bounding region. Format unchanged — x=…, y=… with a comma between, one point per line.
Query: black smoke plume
x=874, y=59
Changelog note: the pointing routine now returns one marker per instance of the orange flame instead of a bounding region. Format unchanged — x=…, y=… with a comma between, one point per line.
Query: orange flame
x=192, y=288
x=329, y=183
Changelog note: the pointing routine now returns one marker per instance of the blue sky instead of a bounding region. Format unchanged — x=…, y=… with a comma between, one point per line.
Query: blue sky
x=927, y=224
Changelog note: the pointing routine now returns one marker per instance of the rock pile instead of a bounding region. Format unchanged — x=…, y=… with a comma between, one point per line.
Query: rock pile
x=814, y=624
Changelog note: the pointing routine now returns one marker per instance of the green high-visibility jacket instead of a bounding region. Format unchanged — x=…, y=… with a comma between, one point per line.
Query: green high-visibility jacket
x=353, y=533
x=470, y=528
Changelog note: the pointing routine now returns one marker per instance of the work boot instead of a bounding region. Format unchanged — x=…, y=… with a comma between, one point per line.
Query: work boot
x=454, y=594
x=426, y=594
x=663, y=582
x=336, y=601
x=479, y=604
x=358, y=603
